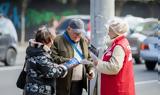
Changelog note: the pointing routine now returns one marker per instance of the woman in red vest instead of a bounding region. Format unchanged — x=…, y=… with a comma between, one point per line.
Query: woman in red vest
x=116, y=67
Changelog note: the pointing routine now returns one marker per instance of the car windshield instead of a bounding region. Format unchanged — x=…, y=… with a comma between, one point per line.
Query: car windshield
x=147, y=28
x=4, y=26
x=7, y=27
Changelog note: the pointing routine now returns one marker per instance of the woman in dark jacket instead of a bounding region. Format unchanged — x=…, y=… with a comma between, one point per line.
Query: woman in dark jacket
x=41, y=70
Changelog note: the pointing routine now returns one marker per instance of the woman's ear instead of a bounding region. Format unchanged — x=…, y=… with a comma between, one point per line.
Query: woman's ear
x=68, y=28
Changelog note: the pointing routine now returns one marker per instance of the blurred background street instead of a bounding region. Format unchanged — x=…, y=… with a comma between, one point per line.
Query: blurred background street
x=20, y=18
x=146, y=81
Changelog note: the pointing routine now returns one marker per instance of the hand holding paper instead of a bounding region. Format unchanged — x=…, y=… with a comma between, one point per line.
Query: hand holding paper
x=91, y=74
x=74, y=62
x=71, y=63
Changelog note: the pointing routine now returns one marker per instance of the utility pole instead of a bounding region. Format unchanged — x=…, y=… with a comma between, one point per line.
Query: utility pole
x=100, y=11
x=24, y=6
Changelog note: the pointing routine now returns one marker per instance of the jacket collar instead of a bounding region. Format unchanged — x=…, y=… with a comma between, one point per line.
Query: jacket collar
x=117, y=39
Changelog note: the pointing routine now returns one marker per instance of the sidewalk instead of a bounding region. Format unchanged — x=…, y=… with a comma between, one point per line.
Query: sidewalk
x=21, y=53
x=22, y=47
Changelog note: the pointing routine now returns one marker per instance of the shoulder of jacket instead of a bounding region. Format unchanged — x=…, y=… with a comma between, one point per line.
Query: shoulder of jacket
x=124, y=42
x=59, y=38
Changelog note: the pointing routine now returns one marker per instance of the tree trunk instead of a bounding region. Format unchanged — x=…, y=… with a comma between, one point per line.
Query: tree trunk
x=24, y=6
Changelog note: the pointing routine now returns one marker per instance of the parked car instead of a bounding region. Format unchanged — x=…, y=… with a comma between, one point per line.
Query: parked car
x=138, y=34
x=150, y=48
x=135, y=39
x=64, y=24
x=159, y=66
x=8, y=41
x=159, y=59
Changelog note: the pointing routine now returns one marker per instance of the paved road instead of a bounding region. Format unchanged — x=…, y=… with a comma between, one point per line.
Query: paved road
x=146, y=81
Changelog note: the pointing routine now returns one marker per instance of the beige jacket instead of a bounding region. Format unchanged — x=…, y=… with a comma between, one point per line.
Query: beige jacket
x=114, y=65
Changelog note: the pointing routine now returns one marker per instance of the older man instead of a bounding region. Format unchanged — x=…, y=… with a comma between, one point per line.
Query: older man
x=72, y=44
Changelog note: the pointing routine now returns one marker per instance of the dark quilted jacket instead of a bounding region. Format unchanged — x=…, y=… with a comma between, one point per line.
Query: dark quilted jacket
x=41, y=71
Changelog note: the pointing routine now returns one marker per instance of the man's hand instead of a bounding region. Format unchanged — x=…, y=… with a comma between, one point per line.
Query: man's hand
x=91, y=74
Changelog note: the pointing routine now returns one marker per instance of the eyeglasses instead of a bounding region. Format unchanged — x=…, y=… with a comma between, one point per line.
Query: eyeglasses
x=74, y=33
x=77, y=34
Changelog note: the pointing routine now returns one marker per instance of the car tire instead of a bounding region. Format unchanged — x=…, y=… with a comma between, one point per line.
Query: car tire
x=10, y=57
x=150, y=65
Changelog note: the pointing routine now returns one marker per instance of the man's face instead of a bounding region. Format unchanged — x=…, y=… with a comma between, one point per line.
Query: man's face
x=73, y=35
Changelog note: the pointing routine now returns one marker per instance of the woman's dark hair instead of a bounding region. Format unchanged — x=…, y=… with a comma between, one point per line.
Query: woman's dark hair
x=43, y=35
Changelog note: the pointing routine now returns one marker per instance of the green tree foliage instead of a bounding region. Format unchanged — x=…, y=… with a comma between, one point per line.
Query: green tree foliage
x=36, y=17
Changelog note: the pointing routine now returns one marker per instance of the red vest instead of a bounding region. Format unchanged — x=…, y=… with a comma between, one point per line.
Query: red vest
x=123, y=82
